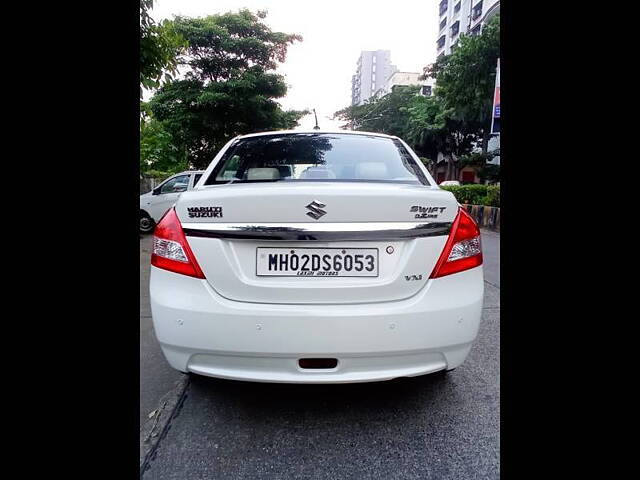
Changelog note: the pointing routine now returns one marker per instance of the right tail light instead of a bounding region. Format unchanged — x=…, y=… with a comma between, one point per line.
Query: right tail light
x=462, y=250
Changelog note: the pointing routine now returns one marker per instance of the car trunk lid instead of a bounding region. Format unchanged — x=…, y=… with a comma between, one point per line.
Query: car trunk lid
x=228, y=227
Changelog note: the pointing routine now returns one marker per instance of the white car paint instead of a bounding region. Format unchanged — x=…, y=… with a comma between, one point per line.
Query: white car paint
x=157, y=201
x=234, y=324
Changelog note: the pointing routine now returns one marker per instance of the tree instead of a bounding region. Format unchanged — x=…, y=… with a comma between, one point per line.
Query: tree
x=221, y=46
x=159, y=47
x=420, y=120
x=431, y=130
x=486, y=171
x=158, y=149
x=453, y=121
x=228, y=88
x=465, y=80
x=387, y=114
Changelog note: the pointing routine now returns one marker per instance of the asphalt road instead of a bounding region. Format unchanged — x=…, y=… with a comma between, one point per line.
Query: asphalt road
x=157, y=378
x=431, y=427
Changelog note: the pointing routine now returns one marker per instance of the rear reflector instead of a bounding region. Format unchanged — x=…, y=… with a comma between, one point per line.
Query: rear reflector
x=462, y=250
x=318, y=363
x=170, y=248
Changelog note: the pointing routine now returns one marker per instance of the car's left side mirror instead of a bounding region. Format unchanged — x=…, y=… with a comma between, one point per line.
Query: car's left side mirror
x=156, y=191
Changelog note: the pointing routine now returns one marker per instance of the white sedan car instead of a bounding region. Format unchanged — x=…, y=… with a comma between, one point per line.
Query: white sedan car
x=154, y=204
x=316, y=257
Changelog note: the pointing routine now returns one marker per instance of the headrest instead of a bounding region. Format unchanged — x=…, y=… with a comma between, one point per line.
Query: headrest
x=371, y=171
x=263, y=174
x=317, y=172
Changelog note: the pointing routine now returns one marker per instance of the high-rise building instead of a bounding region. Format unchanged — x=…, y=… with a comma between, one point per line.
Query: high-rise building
x=458, y=17
x=373, y=70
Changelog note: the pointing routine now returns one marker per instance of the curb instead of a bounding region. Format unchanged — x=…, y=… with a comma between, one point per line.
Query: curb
x=485, y=217
x=158, y=424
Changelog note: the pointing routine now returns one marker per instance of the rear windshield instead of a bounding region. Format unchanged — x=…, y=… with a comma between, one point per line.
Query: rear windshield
x=317, y=157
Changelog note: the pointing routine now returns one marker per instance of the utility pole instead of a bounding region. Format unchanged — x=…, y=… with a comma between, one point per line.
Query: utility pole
x=314, y=114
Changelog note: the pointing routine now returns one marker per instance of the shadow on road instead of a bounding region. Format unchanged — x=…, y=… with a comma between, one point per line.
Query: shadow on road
x=293, y=401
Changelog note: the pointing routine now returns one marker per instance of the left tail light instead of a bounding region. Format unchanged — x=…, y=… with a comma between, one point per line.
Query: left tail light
x=170, y=248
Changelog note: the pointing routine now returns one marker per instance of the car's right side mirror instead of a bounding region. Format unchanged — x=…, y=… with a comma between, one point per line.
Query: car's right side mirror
x=156, y=191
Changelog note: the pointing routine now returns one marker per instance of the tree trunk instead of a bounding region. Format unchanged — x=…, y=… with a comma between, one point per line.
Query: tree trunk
x=452, y=173
x=486, y=135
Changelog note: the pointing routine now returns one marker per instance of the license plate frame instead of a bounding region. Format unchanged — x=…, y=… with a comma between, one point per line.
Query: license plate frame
x=323, y=273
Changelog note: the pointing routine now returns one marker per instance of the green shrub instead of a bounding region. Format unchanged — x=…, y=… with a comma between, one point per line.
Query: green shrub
x=476, y=194
x=493, y=196
x=157, y=174
x=470, y=194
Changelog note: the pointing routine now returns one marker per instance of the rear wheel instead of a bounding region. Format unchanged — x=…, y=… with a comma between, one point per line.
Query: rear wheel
x=146, y=223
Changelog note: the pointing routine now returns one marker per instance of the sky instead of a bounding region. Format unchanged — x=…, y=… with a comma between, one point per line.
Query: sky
x=318, y=70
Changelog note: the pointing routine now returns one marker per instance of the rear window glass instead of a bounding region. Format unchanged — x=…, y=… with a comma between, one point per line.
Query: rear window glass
x=317, y=157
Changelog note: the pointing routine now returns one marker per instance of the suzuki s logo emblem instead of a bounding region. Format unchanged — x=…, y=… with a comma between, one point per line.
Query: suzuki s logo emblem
x=316, y=211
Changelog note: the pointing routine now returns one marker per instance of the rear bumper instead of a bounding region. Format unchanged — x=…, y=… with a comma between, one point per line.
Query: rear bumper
x=201, y=332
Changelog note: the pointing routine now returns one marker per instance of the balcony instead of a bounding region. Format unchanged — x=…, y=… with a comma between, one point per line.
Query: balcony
x=493, y=10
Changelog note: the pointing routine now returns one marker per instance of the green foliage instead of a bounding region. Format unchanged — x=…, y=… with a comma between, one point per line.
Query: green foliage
x=228, y=90
x=159, y=175
x=158, y=150
x=160, y=45
x=470, y=194
x=222, y=45
x=388, y=114
x=422, y=121
x=427, y=162
x=493, y=196
x=488, y=195
x=431, y=129
x=465, y=79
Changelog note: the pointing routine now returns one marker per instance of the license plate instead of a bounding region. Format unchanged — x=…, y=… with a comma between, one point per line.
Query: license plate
x=317, y=262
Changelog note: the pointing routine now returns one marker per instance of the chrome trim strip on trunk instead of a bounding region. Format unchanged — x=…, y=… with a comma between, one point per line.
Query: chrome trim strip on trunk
x=317, y=231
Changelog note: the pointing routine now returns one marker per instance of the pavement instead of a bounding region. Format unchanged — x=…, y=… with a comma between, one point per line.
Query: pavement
x=439, y=426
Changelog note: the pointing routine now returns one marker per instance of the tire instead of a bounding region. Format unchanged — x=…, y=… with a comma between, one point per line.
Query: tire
x=146, y=223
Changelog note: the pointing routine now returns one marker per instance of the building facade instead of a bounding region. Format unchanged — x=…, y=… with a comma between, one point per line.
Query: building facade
x=373, y=70
x=404, y=79
x=459, y=17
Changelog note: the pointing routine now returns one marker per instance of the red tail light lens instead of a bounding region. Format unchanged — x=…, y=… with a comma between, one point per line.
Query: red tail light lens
x=170, y=248
x=462, y=250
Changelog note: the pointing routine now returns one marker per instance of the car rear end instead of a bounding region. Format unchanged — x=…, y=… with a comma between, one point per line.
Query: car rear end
x=316, y=258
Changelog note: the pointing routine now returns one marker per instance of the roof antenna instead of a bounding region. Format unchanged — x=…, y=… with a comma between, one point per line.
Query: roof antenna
x=314, y=114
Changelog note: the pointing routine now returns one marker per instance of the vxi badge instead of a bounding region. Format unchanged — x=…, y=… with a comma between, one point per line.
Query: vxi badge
x=426, y=212
x=412, y=278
